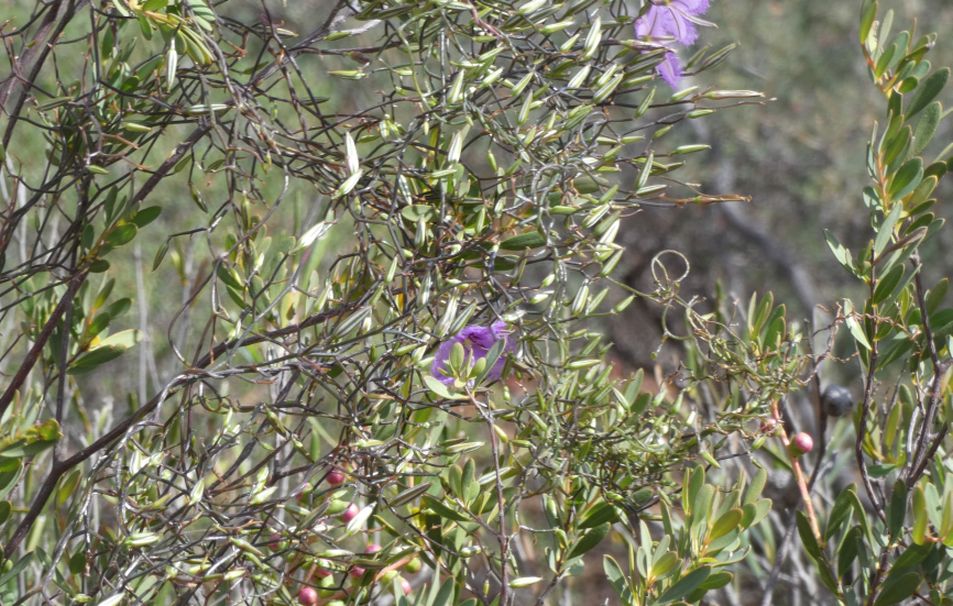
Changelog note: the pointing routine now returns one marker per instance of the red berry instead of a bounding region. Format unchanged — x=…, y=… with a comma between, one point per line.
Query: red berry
x=350, y=513
x=801, y=443
x=307, y=596
x=335, y=477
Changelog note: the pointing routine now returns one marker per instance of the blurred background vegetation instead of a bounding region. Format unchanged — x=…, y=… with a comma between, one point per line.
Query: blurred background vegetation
x=799, y=157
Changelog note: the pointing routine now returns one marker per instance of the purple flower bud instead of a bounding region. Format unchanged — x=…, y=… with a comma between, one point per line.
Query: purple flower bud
x=477, y=342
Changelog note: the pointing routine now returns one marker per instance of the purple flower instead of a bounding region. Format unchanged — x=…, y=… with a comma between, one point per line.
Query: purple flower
x=672, y=21
x=477, y=341
x=670, y=69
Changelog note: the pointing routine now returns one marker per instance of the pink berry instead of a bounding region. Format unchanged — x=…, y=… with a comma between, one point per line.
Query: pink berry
x=307, y=596
x=350, y=513
x=372, y=548
x=405, y=586
x=801, y=443
x=357, y=571
x=335, y=477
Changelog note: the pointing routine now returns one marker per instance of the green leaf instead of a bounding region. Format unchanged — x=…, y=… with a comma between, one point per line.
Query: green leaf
x=441, y=390
x=98, y=266
x=868, y=15
x=408, y=495
x=121, y=234
x=897, y=509
x=67, y=487
x=664, y=565
x=926, y=127
x=533, y=239
x=839, y=514
x=229, y=277
x=755, y=512
x=885, y=231
x=16, y=569
x=524, y=582
x=160, y=255
x=841, y=253
x=442, y=597
x=849, y=549
x=491, y=358
x=77, y=562
x=887, y=284
x=756, y=487
x=685, y=585
x=857, y=331
x=691, y=485
x=728, y=521
x=920, y=518
x=906, y=179
x=617, y=578
x=442, y=510
x=813, y=548
x=589, y=540
x=600, y=514
x=349, y=184
x=10, y=469
x=910, y=558
x=716, y=580
x=31, y=441
x=898, y=589
x=108, y=349
x=928, y=91
x=807, y=537
x=146, y=216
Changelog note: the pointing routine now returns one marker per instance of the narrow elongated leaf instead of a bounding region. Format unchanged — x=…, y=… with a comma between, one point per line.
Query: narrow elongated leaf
x=685, y=585
x=928, y=91
x=589, y=540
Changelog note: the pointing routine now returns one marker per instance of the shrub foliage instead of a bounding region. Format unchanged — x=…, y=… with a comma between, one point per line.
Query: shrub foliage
x=235, y=236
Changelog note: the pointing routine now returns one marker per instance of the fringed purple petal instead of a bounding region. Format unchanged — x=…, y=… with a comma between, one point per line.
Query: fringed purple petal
x=665, y=23
x=648, y=25
x=692, y=7
x=671, y=69
x=672, y=20
x=480, y=336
